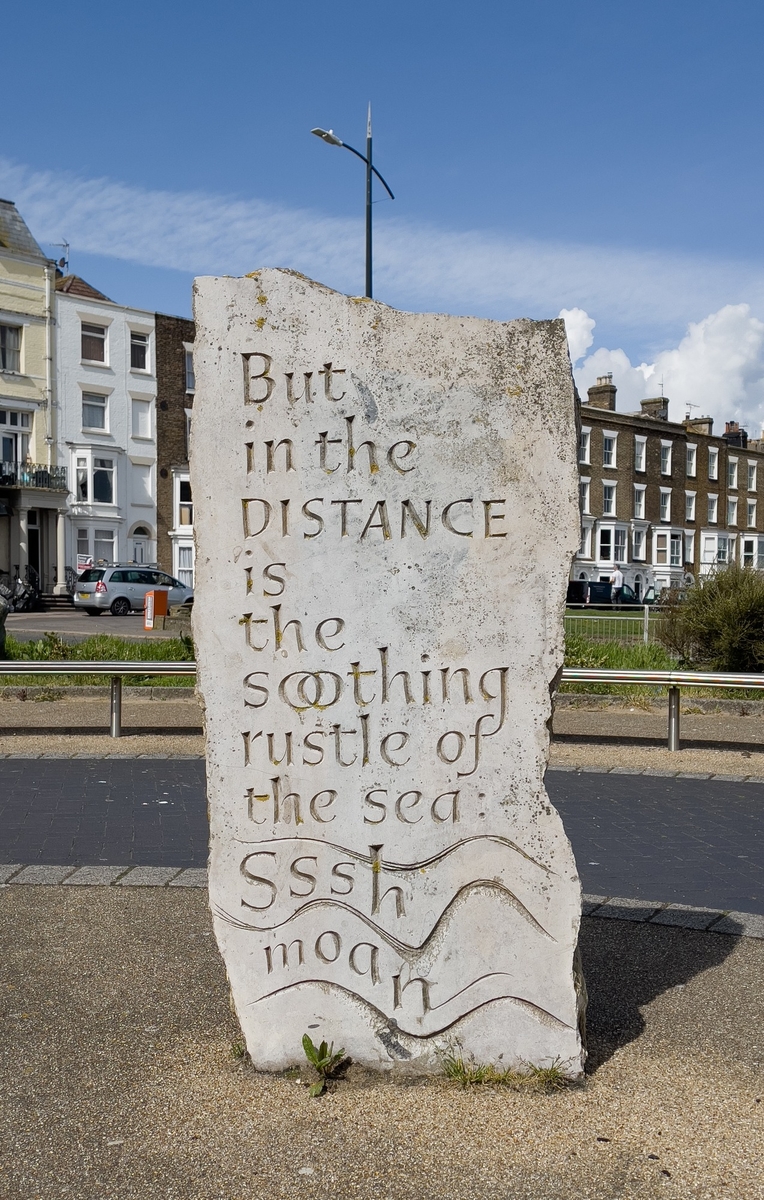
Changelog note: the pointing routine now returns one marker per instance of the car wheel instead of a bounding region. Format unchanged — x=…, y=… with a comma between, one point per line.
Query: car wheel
x=120, y=607
x=94, y=612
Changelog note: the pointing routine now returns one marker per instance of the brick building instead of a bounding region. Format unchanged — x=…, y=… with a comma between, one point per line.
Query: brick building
x=175, y=398
x=664, y=501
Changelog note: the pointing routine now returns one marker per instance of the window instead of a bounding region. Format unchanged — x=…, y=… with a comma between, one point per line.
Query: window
x=639, y=501
x=20, y=419
x=689, y=547
x=722, y=545
x=584, y=492
x=751, y=514
x=608, y=499
x=606, y=544
x=103, y=550
x=10, y=348
x=731, y=472
x=713, y=462
x=661, y=548
x=713, y=508
x=139, y=351
x=186, y=565
x=692, y=461
x=749, y=552
x=689, y=506
x=103, y=482
x=191, y=383
x=93, y=411
x=185, y=504
x=676, y=550
x=141, y=483
x=732, y=512
x=82, y=484
x=141, y=418
x=666, y=458
x=188, y=412
x=619, y=554
x=665, y=504
x=609, y=449
x=640, y=452
x=752, y=477
x=585, y=549
x=638, y=543
x=94, y=343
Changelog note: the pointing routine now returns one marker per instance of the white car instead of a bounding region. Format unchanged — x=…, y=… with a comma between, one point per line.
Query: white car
x=123, y=589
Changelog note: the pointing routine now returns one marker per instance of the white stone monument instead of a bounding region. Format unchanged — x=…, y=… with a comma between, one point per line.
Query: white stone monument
x=386, y=507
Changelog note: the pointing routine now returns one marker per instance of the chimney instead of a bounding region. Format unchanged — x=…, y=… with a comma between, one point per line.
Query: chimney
x=657, y=407
x=603, y=394
x=735, y=436
x=699, y=425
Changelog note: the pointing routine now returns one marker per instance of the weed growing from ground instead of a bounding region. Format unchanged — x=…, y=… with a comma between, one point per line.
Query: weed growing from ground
x=528, y=1078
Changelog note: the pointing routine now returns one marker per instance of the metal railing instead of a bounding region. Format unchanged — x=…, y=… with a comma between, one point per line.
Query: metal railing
x=627, y=625
x=33, y=475
x=672, y=680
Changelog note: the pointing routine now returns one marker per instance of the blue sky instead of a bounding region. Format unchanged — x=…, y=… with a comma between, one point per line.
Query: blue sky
x=597, y=157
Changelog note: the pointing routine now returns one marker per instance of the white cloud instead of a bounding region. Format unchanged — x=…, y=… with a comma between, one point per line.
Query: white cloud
x=416, y=265
x=716, y=370
x=579, y=327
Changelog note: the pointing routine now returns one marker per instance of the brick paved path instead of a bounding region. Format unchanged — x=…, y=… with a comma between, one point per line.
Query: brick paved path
x=674, y=840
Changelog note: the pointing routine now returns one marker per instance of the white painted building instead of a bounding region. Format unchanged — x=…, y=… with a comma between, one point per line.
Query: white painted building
x=106, y=396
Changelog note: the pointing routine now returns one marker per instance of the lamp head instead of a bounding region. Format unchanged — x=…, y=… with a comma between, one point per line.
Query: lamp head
x=328, y=135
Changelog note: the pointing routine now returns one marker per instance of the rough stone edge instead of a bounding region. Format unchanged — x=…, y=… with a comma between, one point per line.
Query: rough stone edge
x=680, y=916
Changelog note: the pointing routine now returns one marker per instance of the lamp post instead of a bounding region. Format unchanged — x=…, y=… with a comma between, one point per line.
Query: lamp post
x=330, y=137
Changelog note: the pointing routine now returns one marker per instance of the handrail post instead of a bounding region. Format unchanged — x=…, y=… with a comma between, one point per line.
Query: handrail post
x=646, y=624
x=673, y=718
x=115, y=728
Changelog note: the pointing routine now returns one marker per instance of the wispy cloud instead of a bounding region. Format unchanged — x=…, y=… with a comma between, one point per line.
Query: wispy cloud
x=416, y=265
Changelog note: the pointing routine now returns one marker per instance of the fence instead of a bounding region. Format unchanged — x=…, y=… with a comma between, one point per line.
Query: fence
x=629, y=628
x=673, y=680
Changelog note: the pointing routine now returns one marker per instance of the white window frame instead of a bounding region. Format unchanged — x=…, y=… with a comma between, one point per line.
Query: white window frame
x=658, y=535
x=676, y=549
x=752, y=475
x=638, y=547
x=585, y=548
x=732, y=510
x=752, y=541
x=610, y=435
x=689, y=545
x=188, y=348
x=621, y=534
x=610, y=530
x=665, y=508
x=585, y=493
x=713, y=508
x=666, y=456
x=640, y=453
x=689, y=506
x=713, y=462
x=91, y=322
x=88, y=396
x=691, y=467
x=145, y=333
x=150, y=499
x=179, y=478
x=144, y=400
x=732, y=473
x=639, y=500
x=18, y=350
x=751, y=513
x=609, y=489
x=85, y=460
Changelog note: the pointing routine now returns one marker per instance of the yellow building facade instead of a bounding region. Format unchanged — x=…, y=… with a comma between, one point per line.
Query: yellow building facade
x=33, y=488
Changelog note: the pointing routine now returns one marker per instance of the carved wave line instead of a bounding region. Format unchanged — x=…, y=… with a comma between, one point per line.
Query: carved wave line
x=392, y=866
x=541, y=1014
x=402, y=948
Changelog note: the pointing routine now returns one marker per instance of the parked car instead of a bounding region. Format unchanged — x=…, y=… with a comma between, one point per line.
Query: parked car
x=122, y=589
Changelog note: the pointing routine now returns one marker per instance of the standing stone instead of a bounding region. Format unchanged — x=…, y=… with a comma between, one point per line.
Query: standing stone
x=386, y=509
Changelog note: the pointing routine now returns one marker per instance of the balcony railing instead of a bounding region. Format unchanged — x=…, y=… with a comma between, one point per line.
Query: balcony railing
x=33, y=475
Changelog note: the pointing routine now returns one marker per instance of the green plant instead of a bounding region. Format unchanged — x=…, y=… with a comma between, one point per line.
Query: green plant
x=719, y=623
x=529, y=1078
x=324, y=1059
x=238, y=1051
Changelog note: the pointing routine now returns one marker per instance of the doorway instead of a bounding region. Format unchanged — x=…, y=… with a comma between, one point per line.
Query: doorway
x=33, y=543
x=140, y=544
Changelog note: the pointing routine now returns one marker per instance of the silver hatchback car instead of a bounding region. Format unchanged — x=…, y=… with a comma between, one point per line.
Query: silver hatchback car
x=122, y=589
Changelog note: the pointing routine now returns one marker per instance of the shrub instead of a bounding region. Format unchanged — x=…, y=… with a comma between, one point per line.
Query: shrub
x=719, y=623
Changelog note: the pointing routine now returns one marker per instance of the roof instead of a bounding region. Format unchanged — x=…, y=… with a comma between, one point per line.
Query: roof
x=74, y=285
x=14, y=234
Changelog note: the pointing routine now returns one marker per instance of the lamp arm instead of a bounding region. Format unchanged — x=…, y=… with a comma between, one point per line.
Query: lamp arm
x=364, y=159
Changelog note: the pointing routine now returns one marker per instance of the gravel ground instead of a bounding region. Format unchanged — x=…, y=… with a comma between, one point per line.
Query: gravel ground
x=120, y=1082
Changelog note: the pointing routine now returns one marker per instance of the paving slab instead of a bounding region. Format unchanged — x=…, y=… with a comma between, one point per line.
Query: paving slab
x=686, y=917
x=41, y=875
x=95, y=876
x=747, y=924
x=148, y=877
x=121, y=1081
x=622, y=909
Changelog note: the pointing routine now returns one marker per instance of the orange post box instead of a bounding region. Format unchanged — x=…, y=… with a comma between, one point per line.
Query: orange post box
x=156, y=605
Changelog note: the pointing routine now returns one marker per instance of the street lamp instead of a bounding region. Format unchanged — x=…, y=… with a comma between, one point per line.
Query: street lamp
x=331, y=139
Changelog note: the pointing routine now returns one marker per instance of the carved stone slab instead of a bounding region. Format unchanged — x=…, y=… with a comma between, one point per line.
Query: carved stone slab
x=386, y=506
